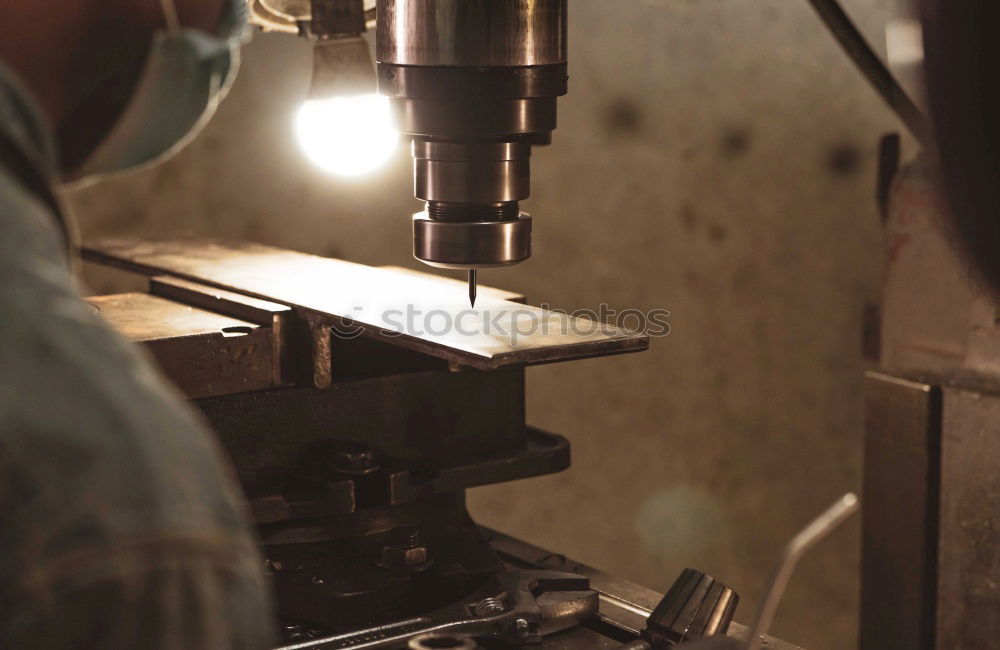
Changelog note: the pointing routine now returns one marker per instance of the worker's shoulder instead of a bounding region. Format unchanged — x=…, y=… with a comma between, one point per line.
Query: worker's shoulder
x=29, y=230
x=94, y=447
x=64, y=371
x=86, y=422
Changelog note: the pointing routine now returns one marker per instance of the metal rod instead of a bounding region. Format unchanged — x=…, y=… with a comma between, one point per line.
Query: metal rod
x=818, y=529
x=872, y=67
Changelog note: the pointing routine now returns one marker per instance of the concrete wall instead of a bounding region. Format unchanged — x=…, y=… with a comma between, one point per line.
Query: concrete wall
x=714, y=158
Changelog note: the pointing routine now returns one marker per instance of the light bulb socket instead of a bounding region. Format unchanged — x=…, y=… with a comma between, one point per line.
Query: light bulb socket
x=335, y=18
x=342, y=67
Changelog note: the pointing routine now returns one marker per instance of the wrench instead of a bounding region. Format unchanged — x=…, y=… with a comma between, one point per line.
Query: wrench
x=520, y=607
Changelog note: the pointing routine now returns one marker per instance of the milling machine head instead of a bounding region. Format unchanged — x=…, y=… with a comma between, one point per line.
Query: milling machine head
x=474, y=83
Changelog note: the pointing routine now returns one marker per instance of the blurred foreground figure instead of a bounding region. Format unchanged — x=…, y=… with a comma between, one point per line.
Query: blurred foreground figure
x=120, y=524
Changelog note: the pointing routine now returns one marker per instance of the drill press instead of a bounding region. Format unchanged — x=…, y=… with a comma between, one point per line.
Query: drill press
x=355, y=450
x=473, y=83
x=474, y=97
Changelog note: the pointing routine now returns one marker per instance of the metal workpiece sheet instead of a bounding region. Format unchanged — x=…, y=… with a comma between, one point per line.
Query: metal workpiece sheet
x=417, y=311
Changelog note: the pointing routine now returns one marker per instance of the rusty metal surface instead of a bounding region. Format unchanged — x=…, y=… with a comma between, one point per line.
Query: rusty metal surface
x=931, y=527
x=899, y=521
x=276, y=317
x=968, y=589
x=141, y=317
x=205, y=354
x=399, y=308
x=321, y=354
x=625, y=606
x=237, y=305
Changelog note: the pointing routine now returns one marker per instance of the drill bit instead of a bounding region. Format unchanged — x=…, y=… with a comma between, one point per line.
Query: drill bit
x=472, y=287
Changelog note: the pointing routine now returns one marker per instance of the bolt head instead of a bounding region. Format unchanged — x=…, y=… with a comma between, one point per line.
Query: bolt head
x=520, y=628
x=405, y=557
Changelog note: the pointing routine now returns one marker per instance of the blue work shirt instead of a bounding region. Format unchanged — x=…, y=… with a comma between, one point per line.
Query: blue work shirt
x=121, y=525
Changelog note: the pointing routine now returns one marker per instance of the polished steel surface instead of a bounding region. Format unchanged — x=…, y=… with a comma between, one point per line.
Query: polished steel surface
x=471, y=32
x=475, y=120
x=475, y=82
x=466, y=151
x=472, y=182
x=471, y=244
x=366, y=301
x=471, y=172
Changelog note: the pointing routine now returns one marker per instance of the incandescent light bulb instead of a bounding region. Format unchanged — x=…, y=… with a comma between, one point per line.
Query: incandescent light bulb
x=347, y=136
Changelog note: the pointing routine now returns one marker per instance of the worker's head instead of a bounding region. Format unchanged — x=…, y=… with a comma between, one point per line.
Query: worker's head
x=122, y=81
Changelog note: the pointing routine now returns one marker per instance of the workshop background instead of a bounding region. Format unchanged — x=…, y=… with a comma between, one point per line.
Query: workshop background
x=714, y=158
